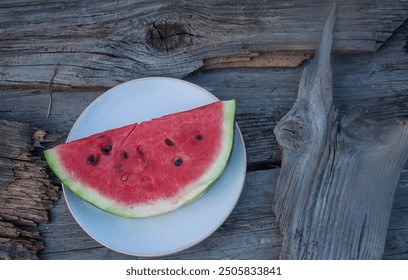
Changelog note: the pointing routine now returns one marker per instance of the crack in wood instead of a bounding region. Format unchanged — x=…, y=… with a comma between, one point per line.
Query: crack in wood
x=171, y=35
x=161, y=36
x=263, y=165
x=287, y=59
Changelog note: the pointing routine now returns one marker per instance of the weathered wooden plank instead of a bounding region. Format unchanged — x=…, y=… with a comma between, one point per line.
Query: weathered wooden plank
x=264, y=250
x=249, y=233
x=104, y=43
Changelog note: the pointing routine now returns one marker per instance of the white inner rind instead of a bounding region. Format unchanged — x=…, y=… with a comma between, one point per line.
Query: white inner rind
x=190, y=193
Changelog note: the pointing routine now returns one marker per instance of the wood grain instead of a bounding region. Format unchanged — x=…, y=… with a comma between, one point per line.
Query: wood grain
x=112, y=42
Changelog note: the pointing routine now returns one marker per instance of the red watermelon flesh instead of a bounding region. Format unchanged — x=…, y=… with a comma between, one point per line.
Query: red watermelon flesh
x=149, y=168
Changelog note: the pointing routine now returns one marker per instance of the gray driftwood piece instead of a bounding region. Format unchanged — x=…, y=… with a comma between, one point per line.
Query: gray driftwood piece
x=335, y=191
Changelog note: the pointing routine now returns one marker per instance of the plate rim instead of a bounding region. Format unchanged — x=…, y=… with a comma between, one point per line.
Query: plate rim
x=186, y=246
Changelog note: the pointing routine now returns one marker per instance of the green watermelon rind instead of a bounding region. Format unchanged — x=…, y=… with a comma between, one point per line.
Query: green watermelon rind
x=191, y=193
x=76, y=187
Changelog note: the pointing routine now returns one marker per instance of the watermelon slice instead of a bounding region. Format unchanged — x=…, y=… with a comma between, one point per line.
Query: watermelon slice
x=150, y=168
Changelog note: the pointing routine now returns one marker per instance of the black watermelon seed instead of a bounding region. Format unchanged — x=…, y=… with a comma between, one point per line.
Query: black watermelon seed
x=106, y=150
x=198, y=137
x=91, y=160
x=125, y=155
x=178, y=162
x=169, y=142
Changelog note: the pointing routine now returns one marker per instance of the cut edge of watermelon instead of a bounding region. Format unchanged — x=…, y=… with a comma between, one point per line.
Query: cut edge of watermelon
x=192, y=192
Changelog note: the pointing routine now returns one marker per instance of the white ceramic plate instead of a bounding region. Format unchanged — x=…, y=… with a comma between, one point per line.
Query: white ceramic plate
x=136, y=101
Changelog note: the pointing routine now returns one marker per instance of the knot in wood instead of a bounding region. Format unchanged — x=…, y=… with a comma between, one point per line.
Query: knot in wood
x=292, y=134
x=169, y=35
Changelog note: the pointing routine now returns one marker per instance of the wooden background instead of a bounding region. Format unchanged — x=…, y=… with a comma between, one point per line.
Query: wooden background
x=252, y=51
